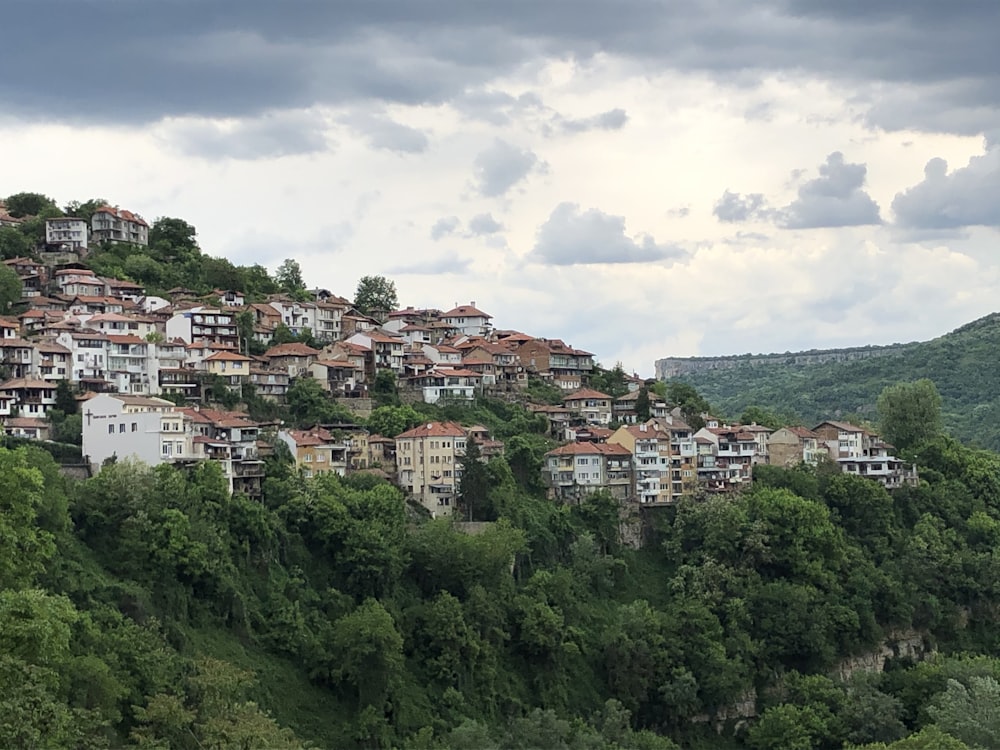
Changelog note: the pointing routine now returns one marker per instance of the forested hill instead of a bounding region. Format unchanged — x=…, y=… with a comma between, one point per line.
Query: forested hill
x=963, y=365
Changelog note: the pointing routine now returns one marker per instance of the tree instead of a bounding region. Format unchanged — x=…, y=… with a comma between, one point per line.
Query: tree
x=289, y=276
x=368, y=653
x=309, y=404
x=691, y=403
x=13, y=243
x=24, y=547
x=474, y=486
x=65, y=398
x=910, y=413
x=20, y=205
x=970, y=712
x=84, y=210
x=384, y=389
x=642, y=405
x=375, y=296
x=10, y=289
x=389, y=421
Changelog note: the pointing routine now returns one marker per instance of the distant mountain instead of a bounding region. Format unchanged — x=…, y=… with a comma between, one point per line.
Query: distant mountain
x=819, y=384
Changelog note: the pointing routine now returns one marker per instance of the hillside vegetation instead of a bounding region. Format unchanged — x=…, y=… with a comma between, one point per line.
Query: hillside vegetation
x=148, y=608
x=963, y=365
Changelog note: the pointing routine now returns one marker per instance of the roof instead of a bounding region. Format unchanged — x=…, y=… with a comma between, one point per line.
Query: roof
x=802, y=432
x=121, y=213
x=843, y=426
x=291, y=350
x=589, y=449
x=585, y=393
x=26, y=383
x=27, y=423
x=227, y=357
x=433, y=429
x=127, y=338
x=466, y=311
x=132, y=400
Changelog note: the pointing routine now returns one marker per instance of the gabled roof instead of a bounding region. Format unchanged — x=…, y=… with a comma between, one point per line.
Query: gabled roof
x=227, y=357
x=590, y=449
x=295, y=349
x=466, y=311
x=126, y=339
x=26, y=383
x=843, y=426
x=586, y=393
x=433, y=429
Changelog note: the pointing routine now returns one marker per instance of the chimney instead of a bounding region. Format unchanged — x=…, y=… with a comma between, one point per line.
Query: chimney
x=472, y=304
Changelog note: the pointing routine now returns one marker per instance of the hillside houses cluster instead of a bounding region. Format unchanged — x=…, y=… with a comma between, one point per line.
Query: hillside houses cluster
x=659, y=459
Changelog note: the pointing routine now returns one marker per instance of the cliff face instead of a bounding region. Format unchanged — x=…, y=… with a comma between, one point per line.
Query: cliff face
x=672, y=367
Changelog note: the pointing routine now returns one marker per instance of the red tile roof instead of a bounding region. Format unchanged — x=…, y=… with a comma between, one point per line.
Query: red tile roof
x=433, y=429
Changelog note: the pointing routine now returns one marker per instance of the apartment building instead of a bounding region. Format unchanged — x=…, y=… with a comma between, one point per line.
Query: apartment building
x=576, y=470
x=592, y=406
x=67, y=232
x=428, y=461
x=316, y=451
x=113, y=224
x=122, y=426
x=204, y=324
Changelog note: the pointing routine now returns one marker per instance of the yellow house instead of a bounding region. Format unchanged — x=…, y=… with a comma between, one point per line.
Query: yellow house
x=229, y=365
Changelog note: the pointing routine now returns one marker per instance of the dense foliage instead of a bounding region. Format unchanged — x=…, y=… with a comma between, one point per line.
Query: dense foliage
x=961, y=364
x=147, y=607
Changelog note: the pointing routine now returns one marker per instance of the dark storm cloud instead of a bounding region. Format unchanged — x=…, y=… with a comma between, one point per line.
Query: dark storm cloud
x=573, y=237
x=501, y=166
x=944, y=200
x=834, y=199
x=131, y=62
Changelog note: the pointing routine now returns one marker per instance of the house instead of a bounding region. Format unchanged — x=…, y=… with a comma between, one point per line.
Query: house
x=330, y=313
x=33, y=275
x=17, y=357
x=446, y=384
x=316, y=451
x=52, y=361
x=497, y=364
x=204, y=324
x=428, y=464
x=79, y=282
x=230, y=439
x=27, y=397
x=112, y=224
x=338, y=374
x=468, y=320
x=229, y=297
x=269, y=382
x=68, y=232
x=725, y=457
x=232, y=366
x=297, y=316
x=382, y=453
x=650, y=446
x=132, y=365
x=125, y=290
x=294, y=358
x=29, y=428
x=554, y=360
x=573, y=471
x=863, y=453
x=122, y=426
x=790, y=446
x=89, y=352
x=592, y=406
x=387, y=351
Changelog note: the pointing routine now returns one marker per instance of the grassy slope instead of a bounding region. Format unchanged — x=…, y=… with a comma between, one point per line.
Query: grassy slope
x=963, y=364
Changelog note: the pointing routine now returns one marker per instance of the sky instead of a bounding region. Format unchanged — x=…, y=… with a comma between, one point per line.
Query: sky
x=640, y=178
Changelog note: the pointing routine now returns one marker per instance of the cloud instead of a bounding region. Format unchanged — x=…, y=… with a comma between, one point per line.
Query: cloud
x=449, y=263
x=482, y=225
x=445, y=227
x=613, y=119
x=945, y=201
x=238, y=60
x=270, y=136
x=384, y=133
x=834, y=199
x=501, y=166
x=734, y=208
x=573, y=237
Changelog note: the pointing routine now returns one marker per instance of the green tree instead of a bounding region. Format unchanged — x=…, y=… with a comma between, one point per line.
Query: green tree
x=910, y=413
x=642, y=404
x=375, y=295
x=13, y=244
x=309, y=404
x=970, y=712
x=389, y=421
x=289, y=277
x=20, y=205
x=368, y=654
x=691, y=403
x=84, y=210
x=474, y=486
x=10, y=289
x=173, y=241
x=385, y=390
x=66, y=398
x=24, y=547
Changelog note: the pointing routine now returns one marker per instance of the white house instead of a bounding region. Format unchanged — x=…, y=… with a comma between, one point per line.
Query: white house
x=468, y=320
x=128, y=426
x=67, y=231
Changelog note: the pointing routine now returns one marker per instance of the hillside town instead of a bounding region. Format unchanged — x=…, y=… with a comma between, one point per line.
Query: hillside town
x=146, y=370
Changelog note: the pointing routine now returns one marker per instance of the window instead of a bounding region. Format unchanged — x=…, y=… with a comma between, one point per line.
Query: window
x=320, y=458
x=111, y=429
x=121, y=427
x=308, y=459
x=135, y=427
